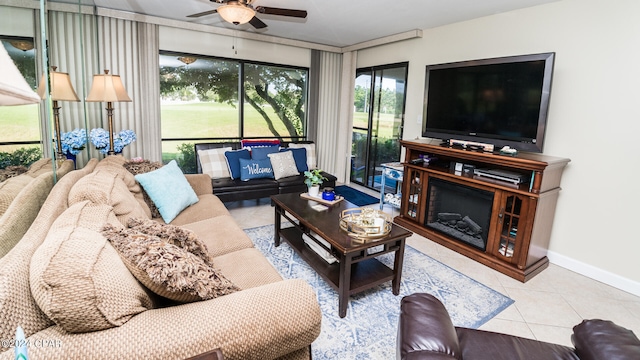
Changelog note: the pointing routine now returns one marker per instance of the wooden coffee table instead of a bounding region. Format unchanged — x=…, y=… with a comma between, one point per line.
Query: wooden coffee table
x=357, y=269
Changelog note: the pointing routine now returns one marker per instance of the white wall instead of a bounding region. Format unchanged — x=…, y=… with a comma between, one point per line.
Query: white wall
x=16, y=21
x=594, y=117
x=194, y=42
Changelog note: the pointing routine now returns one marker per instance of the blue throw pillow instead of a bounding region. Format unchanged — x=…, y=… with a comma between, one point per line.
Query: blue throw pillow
x=300, y=157
x=255, y=169
x=260, y=153
x=233, y=161
x=168, y=189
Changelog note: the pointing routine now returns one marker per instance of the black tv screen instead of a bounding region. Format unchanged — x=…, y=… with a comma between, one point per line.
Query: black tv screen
x=500, y=101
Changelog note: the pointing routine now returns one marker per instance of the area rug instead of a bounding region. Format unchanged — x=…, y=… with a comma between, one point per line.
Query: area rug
x=369, y=330
x=355, y=196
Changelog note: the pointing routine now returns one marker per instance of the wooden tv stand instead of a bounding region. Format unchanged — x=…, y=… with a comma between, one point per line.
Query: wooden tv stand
x=521, y=214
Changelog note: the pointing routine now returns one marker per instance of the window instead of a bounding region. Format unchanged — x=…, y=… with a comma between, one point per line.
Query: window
x=378, y=119
x=20, y=124
x=207, y=99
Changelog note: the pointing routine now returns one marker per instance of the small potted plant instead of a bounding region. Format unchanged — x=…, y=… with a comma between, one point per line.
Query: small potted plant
x=314, y=179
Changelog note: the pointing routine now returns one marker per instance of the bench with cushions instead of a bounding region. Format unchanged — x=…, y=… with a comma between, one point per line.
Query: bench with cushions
x=222, y=161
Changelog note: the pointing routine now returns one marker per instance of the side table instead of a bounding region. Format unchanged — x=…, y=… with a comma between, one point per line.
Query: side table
x=395, y=172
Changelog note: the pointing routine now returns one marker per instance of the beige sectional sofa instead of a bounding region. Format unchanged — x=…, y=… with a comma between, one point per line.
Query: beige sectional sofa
x=71, y=292
x=21, y=198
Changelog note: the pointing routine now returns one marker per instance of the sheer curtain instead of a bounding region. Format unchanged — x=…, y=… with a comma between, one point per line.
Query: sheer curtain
x=72, y=49
x=84, y=45
x=130, y=49
x=335, y=112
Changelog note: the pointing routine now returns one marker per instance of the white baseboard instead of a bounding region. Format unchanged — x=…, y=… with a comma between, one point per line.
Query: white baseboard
x=595, y=273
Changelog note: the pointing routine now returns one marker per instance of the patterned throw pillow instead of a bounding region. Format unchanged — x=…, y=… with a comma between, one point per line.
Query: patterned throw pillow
x=300, y=157
x=214, y=163
x=169, y=261
x=255, y=169
x=283, y=164
x=312, y=161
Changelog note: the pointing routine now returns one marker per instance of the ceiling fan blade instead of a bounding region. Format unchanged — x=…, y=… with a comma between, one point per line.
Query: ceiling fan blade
x=209, y=12
x=281, y=12
x=257, y=23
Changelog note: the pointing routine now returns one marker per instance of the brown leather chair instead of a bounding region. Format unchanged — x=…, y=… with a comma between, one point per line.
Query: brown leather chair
x=425, y=331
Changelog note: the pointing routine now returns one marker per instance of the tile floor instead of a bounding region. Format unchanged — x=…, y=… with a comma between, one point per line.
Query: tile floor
x=545, y=308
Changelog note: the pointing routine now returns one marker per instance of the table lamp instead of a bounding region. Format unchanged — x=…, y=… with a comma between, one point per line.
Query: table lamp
x=61, y=90
x=108, y=88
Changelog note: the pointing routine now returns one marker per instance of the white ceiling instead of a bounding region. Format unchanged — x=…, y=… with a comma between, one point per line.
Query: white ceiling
x=331, y=22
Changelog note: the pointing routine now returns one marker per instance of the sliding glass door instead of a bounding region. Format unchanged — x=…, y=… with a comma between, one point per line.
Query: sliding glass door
x=378, y=118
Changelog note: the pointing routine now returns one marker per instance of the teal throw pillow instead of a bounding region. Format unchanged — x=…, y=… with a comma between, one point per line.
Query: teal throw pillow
x=255, y=169
x=169, y=189
x=233, y=161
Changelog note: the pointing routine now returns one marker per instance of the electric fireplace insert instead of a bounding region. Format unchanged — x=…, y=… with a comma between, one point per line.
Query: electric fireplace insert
x=459, y=211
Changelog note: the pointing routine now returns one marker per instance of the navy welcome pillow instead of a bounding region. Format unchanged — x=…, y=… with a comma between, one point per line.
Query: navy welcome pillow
x=255, y=169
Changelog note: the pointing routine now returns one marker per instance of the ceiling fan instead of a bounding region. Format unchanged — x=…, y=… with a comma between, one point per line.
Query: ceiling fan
x=242, y=11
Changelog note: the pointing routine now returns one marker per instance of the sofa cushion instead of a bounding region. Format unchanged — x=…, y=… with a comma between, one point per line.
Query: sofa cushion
x=260, y=153
x=255, y=169
x=498, y=346
x=227, y=238
x=208, y=206
x=247, y=268
x=292, y=181
x=114, y=164
x=102, y=187
x=214, y=163
x=312, y=161
x=233, y=161
x=283, y=164
x=169, y=190
x=10, y=189
x=169, y=261
x=77, y=278
x=228, y=184
x=142, y=167
x=300, y=157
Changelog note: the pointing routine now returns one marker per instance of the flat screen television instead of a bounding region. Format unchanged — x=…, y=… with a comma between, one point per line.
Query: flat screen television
x=500, y=101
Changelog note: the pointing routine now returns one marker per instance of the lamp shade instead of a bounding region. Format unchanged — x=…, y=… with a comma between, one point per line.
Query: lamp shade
x=235, y=13
x=61, y=88
x=107, y=88
x=14, y=89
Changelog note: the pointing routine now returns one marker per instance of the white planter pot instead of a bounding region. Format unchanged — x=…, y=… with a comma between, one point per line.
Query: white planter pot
x=314, y=190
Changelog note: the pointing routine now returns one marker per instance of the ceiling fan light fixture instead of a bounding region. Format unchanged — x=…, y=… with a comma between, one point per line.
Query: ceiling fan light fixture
x=236, y=14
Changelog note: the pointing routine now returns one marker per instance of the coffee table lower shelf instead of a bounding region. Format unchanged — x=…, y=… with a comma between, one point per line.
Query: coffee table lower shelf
x=365, y=274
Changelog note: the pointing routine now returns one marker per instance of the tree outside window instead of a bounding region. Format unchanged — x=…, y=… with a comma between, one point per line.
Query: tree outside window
x=201, y=102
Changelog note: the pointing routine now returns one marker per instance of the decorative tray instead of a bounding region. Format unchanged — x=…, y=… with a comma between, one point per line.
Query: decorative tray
x=365, y=223
x=319, y=199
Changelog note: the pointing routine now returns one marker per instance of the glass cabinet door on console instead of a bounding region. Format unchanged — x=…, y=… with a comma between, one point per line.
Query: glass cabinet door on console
x=513, y=227
x=413, y=184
